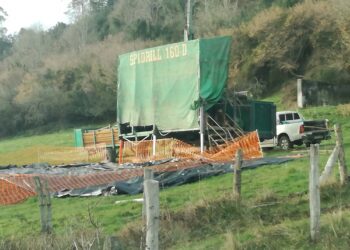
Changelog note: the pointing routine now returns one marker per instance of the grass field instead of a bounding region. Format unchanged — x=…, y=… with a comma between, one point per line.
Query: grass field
x=203, y=215
x=25, y=150
x=22, y=150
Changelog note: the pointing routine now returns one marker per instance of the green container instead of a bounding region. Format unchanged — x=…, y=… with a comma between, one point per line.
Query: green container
x=253, y=115
x=263, y=119
x=78, y=138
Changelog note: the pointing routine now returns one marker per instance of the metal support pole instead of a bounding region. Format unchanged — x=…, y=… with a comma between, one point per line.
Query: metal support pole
x=201, y=126
x=121, y=148
x=187, y=31
x=154, y=138
x=300, y=99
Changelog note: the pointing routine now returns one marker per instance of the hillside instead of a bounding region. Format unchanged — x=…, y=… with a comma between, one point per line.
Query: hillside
x=68, y=74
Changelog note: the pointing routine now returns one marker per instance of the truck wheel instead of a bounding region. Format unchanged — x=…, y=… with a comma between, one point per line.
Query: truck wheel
x=284, y=142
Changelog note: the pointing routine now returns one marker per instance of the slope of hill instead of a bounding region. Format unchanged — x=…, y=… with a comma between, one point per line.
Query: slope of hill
x=68, y=74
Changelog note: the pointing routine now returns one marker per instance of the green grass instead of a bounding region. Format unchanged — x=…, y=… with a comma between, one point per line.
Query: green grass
x=61, y=138
x=24, y=149
x=212, y=221
x=68, y=213
x=112, y=216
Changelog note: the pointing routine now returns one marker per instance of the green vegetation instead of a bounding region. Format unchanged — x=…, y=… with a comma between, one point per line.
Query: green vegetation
x=63, y=138
x=278, y=45
x=204, y=215
x=28, y=146
x=68, y=74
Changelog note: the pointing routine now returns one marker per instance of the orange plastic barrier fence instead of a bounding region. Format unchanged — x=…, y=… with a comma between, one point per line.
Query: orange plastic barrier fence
x=15, y=188
x=143, y=151
x=11, y=193
x=249, y=143
x=167, y=148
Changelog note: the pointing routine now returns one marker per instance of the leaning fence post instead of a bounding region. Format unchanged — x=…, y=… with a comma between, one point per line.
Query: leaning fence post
x=45, y=205
x=329, y=166
x=341, y=161
x=237, y=174
x=314, y=193
x=152, y=214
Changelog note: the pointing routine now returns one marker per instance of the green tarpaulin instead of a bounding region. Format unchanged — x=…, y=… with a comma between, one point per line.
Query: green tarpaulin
x=160, y=86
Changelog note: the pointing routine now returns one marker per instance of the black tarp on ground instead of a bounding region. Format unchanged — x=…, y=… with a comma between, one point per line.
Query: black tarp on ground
x=168, y=179
x=74, y=169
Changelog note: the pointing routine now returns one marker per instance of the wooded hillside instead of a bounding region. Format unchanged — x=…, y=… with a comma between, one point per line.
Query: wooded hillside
x=68, y=74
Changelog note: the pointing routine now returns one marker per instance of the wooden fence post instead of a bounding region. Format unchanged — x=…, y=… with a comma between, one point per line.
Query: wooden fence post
x=45, y=205
x=112, y=243
x=237, y=174
x=152, y=214
x=314, y=193
x=147, y=175
x=341, y=161
x=329, y=166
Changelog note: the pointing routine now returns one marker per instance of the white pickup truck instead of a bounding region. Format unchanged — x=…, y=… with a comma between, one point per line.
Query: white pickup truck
x=293, y=129
x=290, y=128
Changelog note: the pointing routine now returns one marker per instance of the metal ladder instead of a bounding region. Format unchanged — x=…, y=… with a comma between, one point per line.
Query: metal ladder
x=220, y=135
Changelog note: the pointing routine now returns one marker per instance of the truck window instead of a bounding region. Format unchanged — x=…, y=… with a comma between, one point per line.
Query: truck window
x=296, y=116
x=289, y=117
x=282, y=118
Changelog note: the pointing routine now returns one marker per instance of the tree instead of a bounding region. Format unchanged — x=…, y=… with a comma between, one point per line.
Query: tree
x=5, y=41
x=150, y=19
x=3, y=15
